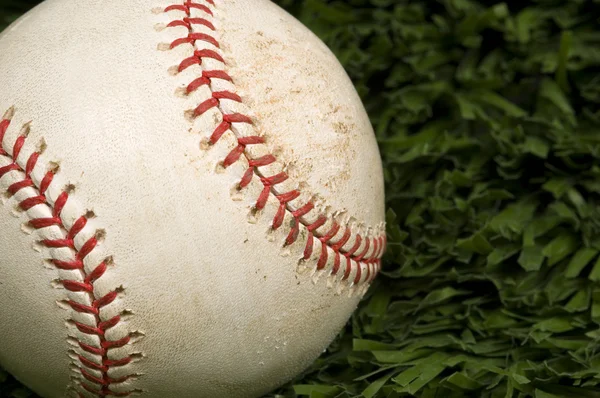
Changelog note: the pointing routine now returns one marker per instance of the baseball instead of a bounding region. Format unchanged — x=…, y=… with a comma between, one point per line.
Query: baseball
x=192, y=198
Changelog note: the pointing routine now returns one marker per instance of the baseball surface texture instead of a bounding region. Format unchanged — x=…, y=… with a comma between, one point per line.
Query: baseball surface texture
x=192, y=198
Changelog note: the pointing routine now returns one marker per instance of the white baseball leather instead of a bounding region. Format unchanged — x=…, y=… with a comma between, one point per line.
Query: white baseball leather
x=203, y=293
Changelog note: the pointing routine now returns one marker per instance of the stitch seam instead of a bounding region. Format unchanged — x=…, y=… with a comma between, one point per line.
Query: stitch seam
x=88, y=370
x=372, y=247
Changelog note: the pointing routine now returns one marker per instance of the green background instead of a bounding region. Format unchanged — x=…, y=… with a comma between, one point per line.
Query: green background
x=488, y=119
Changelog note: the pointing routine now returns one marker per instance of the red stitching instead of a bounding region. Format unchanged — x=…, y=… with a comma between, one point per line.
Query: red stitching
x=193, y=38
x=323, y=257
x=332, y=232
x=87, y=286
x=348, y=268
x=188, y=5
x=205, y=79
x=104, y=392
x=336, y=264
x=188, y=22
x=373, y=248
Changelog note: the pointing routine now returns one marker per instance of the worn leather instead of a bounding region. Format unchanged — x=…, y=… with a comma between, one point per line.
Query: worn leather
x=214, y=302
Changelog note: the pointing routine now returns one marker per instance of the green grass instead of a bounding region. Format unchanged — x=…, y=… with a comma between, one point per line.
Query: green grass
x=488, y=119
